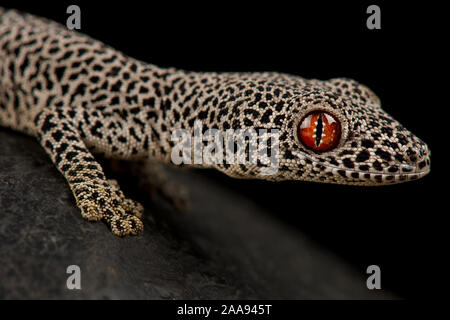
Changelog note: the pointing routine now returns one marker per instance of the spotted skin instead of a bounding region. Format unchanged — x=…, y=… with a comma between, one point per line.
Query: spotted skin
x=79, y=97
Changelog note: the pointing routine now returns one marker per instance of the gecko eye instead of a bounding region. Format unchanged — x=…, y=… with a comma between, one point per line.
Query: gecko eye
x=319, y=131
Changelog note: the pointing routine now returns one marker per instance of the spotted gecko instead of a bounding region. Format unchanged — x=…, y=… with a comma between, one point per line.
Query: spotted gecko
x=80, y=97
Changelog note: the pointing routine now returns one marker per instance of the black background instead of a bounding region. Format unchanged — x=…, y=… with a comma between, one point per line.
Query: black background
x=396, y=227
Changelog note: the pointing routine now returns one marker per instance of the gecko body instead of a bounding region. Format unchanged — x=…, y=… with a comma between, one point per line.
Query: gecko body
x=80, y=97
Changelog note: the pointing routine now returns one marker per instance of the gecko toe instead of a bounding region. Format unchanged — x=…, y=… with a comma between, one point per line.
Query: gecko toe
x=126, y=225
x=133, y=207
x=105, y=201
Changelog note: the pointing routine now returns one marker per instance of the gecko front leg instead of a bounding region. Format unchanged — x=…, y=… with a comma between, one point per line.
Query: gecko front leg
x=97, y=197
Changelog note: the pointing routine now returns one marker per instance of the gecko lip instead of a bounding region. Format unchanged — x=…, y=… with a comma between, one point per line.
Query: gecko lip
x=376, y=177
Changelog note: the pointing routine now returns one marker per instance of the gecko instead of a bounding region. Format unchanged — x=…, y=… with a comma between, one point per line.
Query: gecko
x=79, y=98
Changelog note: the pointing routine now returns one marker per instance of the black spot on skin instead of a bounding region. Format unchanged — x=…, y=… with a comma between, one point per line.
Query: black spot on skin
x=393, y=145
x=47, y=125
x=88, y=61
x=176, y=115
x=383, y=154
x=399, y=157
x=146, y=143
x=377, y=166
x=375, y=135
x=116, y=86
x=402, y=139
x=59, y=72
x=422, y=164
x=343, y=153
x=134, y=135
x=113, y=72
x=123, y=113
x=80, y=90
x=94, y=79
x=367, y=143
x=387, y=131
x=114, y=101
x=65, y=89
x=202, y=115
x=151, y=115
x=379, y=178
x=131, y=99
x=72, y=173
x=355, y=175
x=66, y=56
x=100, y=98
x=94, y=129
x=348, y=163
x=333, y=161
x=247, y=112
x=134, y=110
x=57, y=135
x=63, y=147
x=48, y=145
x=342, y=173
x=81, y=52
x=143, y=89
x=98, y=67
x=364, y=168
x=279, y=120
x=149, y=102
x=288, y=155
x=279, y=106
x=266, y=116
x=393, y=169
x=362, y=156
x=262, y=105
x=70, y=155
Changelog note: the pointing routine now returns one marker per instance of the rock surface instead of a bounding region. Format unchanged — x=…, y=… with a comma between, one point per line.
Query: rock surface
x=226, y=247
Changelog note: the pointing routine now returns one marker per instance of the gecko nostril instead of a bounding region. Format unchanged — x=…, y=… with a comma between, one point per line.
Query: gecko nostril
x=422, y=164
x=412, y=155
x=417, y=158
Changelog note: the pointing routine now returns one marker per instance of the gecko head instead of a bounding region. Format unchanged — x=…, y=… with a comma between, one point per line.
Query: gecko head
x=336, y=132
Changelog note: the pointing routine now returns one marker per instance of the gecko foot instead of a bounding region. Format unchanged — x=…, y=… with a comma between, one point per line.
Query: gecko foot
x=103, y=200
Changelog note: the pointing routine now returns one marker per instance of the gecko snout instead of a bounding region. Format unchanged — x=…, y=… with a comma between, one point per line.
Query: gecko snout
x=416, y=160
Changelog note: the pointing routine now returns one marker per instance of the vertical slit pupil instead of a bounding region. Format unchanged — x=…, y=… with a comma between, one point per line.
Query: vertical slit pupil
x=319, y=129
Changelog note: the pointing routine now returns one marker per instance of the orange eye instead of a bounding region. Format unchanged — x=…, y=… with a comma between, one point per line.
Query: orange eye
x=319, y=131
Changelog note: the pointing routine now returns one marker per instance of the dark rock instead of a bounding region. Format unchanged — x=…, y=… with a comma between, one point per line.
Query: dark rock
x=226, y=247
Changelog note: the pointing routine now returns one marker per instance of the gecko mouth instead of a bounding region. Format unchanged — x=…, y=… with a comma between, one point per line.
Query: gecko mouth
x=353, y=176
